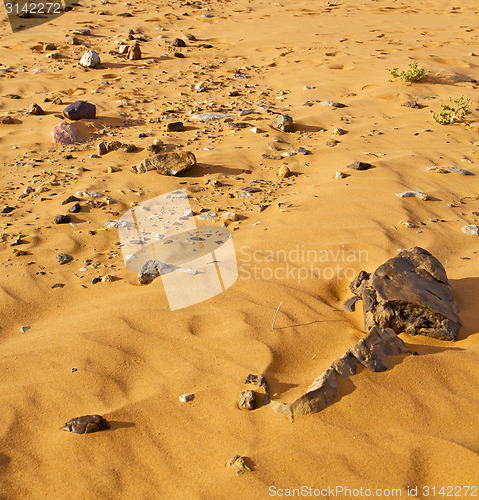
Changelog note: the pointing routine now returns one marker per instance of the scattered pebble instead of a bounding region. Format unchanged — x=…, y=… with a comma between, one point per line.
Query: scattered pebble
x=185, y=398
x=409, y=194
x=471, y=230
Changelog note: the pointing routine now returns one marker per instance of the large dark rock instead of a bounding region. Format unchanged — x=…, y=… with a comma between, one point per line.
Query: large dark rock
x=79, y=110
x=409, y=293
x=86, y=424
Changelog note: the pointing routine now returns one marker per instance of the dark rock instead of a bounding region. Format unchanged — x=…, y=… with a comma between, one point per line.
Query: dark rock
x=350, y=304
x=134, y=53
x=178, y=42
x=179, y=55
x=86, y=424
x=360, y=165
x=7, y=210
x=167, y=163
x=102, y=148
x=35, y=109
x=239, y=125
x=71, y=199
x=259, y=381
x=63, y=258
x=247, y=400
x=6, y=120
x=191, y=37
x=175, y=127
x=75, y=208
x=79, y=110
x=411, y=104
x=96, y=280
x=409, y=293
x=283, y=122
x=61, y=219
x=114, y=145
x=128, y=148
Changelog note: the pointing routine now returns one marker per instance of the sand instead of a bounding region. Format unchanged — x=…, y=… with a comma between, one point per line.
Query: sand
x=414, y=425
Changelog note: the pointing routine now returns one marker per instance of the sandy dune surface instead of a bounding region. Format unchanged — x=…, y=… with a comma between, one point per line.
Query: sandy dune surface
x=117, y=349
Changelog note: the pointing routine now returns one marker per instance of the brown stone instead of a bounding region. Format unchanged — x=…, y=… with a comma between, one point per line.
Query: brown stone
x=86, y=424
x=172, y=163
x=247, y=400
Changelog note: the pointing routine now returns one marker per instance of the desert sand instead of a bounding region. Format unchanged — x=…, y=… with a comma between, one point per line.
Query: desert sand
x=116, y=349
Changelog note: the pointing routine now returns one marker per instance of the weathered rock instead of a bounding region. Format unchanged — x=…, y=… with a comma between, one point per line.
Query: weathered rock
x=232, y=216
x=175, y=127
x=6, y=120
x=75, y=208
x=35, y=109
x=86, y=424
x=409, y=293
x=70, y=199
x=471, y=230
x=63, y=258
x=259, y=381
x=90, y=59
x=410, y=194
x=102, y=148
x=114, y=145
x=134, y=53
x=186, y=398
x=247, y=400
x=64, y=133
x=61, y=219
x=284, y=172
x=210, y=117
x=178, y=42
x=283, y=122
x=79, y=110
x=359, y=165
x=150, y=270
x=238, y=464
x=168, y=163
x=128, y=148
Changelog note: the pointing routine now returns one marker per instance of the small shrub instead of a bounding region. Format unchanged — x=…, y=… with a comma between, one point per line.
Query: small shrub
x=413, y=74
x=454, y=113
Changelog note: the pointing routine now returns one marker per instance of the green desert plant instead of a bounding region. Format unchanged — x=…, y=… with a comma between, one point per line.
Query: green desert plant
x=413, y=74
x=454, y=113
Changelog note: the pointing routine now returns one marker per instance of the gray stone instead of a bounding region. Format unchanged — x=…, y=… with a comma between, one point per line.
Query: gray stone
x=90, y=59
x=247, y=400
x=283, y=122
x=360, y=165
x=471, y=230
x=63, y=258
x=61, y=219
x=35, y=109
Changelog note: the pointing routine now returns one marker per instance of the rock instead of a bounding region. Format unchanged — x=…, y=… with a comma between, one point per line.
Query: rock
x=237, y=463
x=70, y=199
x=123, y=49
x=330, y=143
x=102, y=148
x=185, y=398
x=7, y=210
x=303, y=151
x=75, y=208
x=134, y=53
x=86, y=424
x=359, y=165
x=339, y=131
x=96, y=280
x=471, y=230
x=172, y=163
x=247, y=400
x=61, y=219
x=232, y=216
x=49, y=46
x=175, y=127
x=411, y=104
x=150, y=270
x=409, y=194
x=64, y=133
x=283, y=122
x=284, y=172
x=371, y=351
x=128, y=148
x=114, y=145
x=350, y=304
x=72, y=40
x=89, y=194
x=210, y=117
x=108, y=278
x=35, y=109
x=409, y=293
x=79, y=110
x=208, y=216
x=340, y=175
x=259, y=381
x=7, y=120
x=90, y=59
x=461, y=171
x=63, y=258
x=82, y=31
x=178, y=42
x=333, y=104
